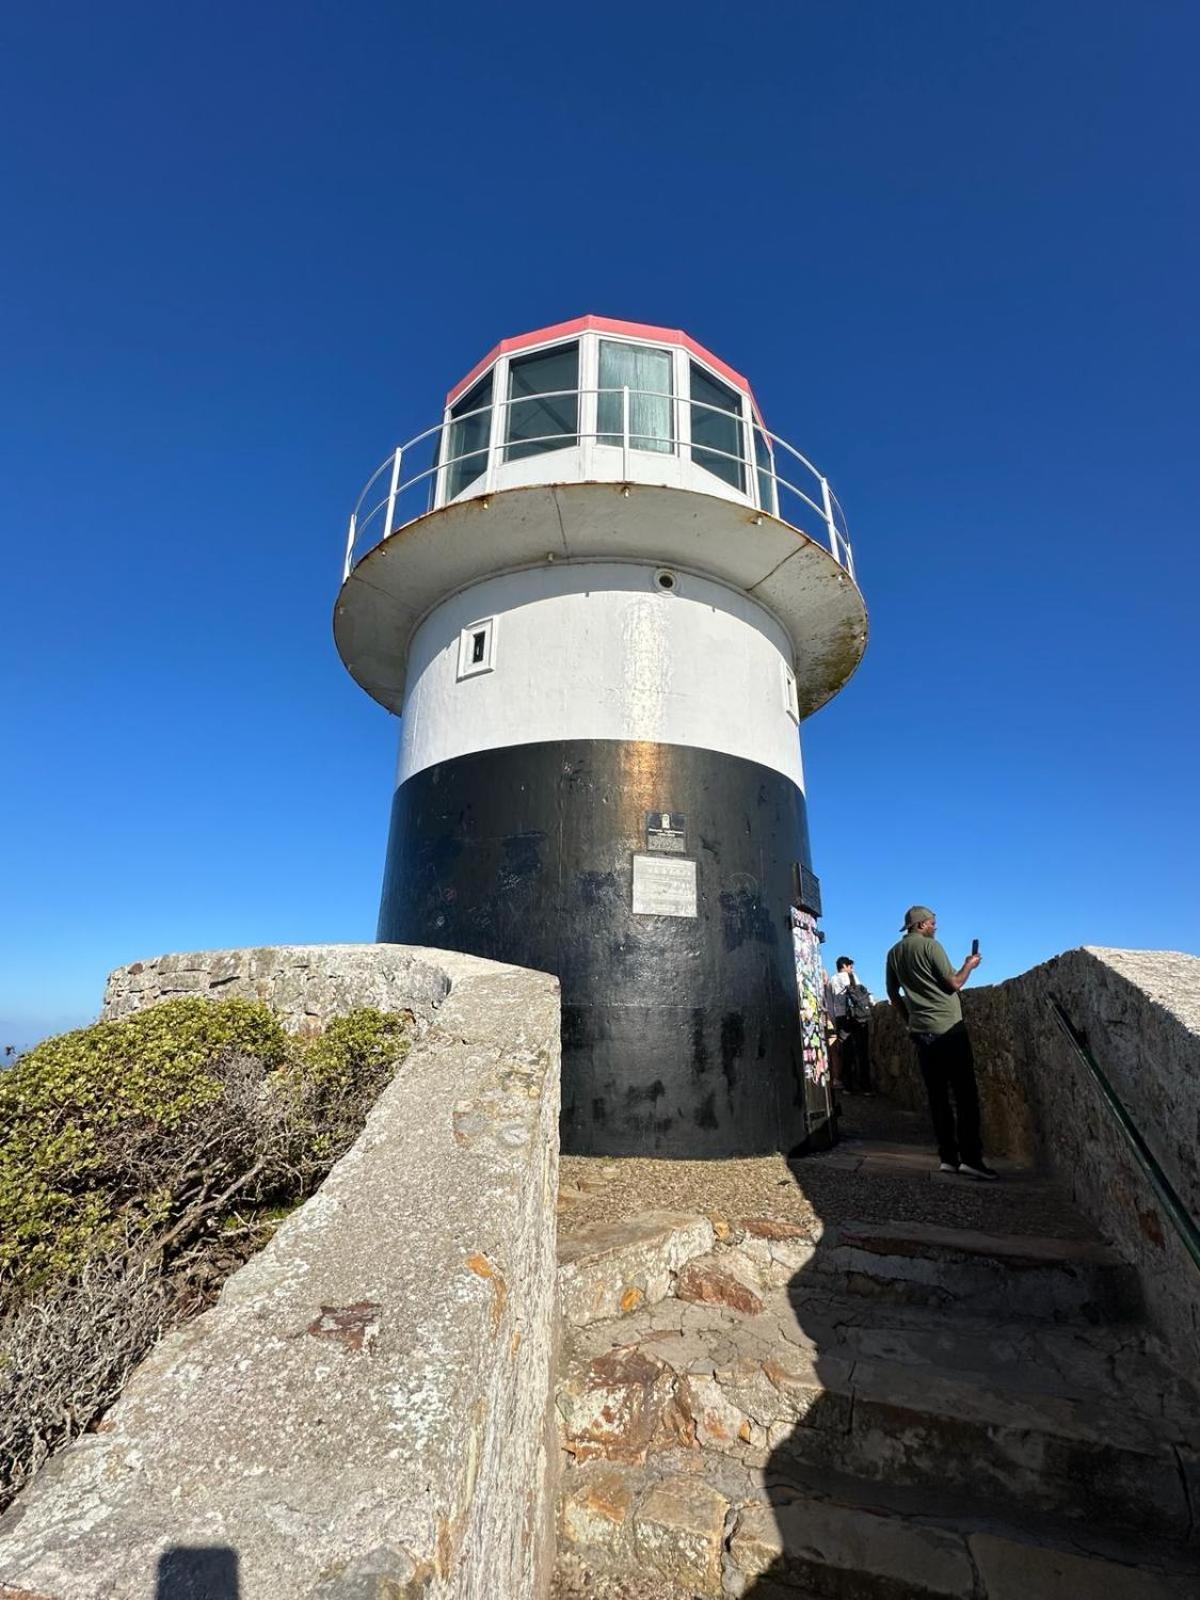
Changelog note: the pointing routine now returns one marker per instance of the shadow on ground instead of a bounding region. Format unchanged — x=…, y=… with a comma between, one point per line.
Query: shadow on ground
x=989, y=1420
x=197, y=1572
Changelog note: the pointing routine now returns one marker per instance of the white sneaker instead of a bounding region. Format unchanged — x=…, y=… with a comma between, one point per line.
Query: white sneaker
x=947, y=1166
x=980, y=1171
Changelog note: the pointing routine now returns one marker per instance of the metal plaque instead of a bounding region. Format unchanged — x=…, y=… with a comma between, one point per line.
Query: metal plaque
x=806, y=888
x=664, y=887
x=666, y=831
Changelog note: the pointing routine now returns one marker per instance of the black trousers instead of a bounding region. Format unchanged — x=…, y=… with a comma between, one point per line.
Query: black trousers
x=856, y=1055
x=948, y=1068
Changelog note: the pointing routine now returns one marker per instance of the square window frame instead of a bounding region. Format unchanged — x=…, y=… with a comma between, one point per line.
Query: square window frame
x=677, y=405
x=743, y=417
x=791, y=698
x=505, y=442
x=466, y=647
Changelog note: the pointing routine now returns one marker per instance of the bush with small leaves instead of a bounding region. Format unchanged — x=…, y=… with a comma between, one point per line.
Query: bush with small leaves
x=156, y=1152
x=100, y=1128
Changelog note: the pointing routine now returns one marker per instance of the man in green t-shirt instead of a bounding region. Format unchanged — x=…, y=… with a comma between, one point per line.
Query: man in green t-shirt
x=932, y=1012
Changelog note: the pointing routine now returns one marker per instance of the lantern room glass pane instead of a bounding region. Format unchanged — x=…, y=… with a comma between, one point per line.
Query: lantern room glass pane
x=768, y=499
x=467, y=437
x=646, y=373
x=540, y=415
x=717, y=433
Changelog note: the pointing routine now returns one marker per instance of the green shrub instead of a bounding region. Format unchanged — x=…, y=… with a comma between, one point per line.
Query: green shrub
x=332, y=1074
x=159, y=1151
x=92, y=1121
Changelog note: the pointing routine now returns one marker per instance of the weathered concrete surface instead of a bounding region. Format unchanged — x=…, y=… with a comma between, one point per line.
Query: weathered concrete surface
x=985, y=1274
x=1140, y=1013
x=809, y=1541
x=1015, y=1571
x=305, y=983
x=366, y=1412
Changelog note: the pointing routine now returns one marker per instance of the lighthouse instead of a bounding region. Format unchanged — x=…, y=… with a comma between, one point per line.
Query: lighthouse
x=601, y=596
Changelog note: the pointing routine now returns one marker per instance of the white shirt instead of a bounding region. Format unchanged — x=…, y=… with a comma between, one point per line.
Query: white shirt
x=838, y=985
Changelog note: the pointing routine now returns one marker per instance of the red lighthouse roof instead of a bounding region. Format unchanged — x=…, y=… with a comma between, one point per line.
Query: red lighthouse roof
x=594, y=324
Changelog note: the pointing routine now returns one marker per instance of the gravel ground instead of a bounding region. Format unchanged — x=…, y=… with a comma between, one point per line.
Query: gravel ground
x=892, y=1185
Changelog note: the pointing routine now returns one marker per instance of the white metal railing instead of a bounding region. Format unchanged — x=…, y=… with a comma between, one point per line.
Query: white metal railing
x=424, y=465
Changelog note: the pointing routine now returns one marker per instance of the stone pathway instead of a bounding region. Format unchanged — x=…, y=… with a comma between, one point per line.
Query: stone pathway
x=859, y=1378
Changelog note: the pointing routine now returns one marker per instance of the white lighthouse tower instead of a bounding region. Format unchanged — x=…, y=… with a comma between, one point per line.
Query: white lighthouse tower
x=601, y=597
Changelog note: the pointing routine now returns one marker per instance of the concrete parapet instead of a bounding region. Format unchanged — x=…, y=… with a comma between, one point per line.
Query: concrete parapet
x=1139, y=1012
x=366, y=1411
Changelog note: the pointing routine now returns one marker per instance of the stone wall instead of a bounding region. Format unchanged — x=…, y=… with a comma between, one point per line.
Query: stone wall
x=306, y=984
x=1139, y=1011
x=366, y=1411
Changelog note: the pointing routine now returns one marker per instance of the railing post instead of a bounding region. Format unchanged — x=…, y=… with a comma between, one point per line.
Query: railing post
x=350, y=546
x=395, y=484
x=832, y=525
x=497, y=419
x=625, y=434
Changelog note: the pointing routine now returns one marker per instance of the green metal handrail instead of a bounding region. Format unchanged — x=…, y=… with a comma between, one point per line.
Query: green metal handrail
x=1164, y=1192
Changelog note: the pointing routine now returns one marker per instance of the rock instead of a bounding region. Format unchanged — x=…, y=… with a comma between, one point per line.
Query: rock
x=719, y=1423
x=679, y=1530
x=607, y=1269
x=775, y=1262
x=387, y=1573
x=721, y=1280
x=595, y=1511
x=774, y=1228
x=620, y=1406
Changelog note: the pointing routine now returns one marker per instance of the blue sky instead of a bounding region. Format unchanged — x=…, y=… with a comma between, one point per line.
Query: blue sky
x=954, y=246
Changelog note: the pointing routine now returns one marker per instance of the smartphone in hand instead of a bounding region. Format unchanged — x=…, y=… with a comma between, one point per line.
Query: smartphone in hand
x=974, y=947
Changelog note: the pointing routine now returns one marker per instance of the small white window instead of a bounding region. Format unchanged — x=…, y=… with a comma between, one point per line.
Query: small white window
x=790, y=702
x=477, y=648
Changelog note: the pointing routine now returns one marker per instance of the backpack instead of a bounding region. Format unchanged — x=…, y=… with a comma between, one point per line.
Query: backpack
x=858, y=1003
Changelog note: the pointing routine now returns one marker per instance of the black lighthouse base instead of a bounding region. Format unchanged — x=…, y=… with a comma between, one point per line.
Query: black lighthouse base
x=680, y=1033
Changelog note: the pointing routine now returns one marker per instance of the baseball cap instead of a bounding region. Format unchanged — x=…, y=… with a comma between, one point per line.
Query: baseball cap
x=914, y=916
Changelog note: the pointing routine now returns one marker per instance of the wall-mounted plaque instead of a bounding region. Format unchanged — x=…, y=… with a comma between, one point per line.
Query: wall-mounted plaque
x=664, y=886
x=666, y=831
x=806, y=888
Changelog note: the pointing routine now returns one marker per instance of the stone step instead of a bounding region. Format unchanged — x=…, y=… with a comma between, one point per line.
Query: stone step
x=685, y=1530
x=609, y=1269
x=804, y=1546
x=884, y=1423
x=1013, y=1276
x=740, y=1388
x=1118, y=1364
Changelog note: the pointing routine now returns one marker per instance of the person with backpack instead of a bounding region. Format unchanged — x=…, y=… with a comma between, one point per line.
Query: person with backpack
x=850, y=1005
